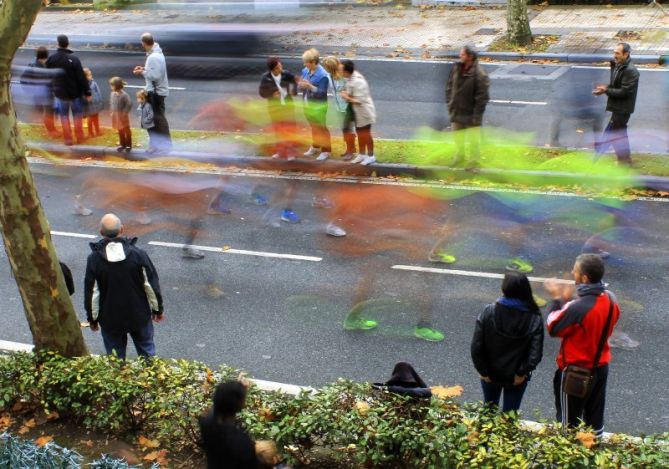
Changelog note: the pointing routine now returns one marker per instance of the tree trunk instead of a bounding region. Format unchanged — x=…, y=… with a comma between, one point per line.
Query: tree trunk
x=517, y=22
x=53, y=322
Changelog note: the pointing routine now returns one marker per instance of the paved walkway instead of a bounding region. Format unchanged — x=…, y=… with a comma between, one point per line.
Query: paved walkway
x=403, y=32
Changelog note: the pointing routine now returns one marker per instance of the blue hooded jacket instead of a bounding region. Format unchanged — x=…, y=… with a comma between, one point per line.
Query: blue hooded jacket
x=321, y=80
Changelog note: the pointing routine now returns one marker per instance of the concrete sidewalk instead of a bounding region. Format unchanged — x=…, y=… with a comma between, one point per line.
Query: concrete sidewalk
x=399, y=32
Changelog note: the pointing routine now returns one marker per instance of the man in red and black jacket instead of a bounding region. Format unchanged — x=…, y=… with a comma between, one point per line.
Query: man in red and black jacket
x=580, y=323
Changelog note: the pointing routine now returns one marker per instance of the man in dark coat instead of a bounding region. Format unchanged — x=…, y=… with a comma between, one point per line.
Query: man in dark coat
x=621, y=93
x=467, y=96
x=70, y=87
x=121, y=291
x=278, y=87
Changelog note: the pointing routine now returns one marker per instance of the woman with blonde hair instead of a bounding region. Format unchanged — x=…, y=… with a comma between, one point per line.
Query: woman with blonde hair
x=314, y=84
x=344, y=110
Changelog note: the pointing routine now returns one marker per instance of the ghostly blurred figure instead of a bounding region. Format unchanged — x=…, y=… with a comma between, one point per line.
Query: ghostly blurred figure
x=573, y=101
x=36, y=86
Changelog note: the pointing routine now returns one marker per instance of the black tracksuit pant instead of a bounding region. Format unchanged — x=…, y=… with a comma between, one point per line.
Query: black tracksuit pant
x=590, y=410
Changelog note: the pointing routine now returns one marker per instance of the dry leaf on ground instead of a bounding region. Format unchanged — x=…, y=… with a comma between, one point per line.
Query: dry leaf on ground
x=444, y=392
x=43, y=440
x=586, y=438
x=146, y=443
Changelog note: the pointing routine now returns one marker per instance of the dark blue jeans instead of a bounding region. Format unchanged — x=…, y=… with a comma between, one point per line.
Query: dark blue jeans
x=513, y=395
x=63, y=108
x=118, y=341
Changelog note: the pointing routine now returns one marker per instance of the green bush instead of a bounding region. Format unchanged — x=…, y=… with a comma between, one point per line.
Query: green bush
x=117, y=4
x=162, y=399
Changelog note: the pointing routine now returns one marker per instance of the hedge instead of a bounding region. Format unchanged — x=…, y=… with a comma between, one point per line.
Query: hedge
x=163, y=398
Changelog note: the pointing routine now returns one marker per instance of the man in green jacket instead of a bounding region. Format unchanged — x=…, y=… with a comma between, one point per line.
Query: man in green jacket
x=621, y=93
x=466, y=97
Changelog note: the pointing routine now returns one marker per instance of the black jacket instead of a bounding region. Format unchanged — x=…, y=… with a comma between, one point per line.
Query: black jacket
x=622, y=88
x=507, y=342
x=72, y=82
x=226, y=445
x=267, y=88
x=121, y=288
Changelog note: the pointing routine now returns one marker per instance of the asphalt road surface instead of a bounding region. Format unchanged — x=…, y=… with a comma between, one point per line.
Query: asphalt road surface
x=409, y=95
x=279, y=309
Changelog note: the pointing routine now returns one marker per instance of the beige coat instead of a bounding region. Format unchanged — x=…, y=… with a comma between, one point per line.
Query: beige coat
x=365, y=112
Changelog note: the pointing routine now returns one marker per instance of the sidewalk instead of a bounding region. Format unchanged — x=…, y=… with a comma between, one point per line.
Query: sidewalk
x=396, y=31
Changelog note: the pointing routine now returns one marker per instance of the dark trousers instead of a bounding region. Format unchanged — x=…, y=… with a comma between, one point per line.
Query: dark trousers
x=125, y=137
x=615, y=135
x=63, y=108
x=365, y=140
x=513, y=395
x=161, y=128
x=117, y=342
x=348, y=130
x=93, y=122
x=571, y=410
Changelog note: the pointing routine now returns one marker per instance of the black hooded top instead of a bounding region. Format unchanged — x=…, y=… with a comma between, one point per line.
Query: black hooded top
x=405, y=380
x=121, y=288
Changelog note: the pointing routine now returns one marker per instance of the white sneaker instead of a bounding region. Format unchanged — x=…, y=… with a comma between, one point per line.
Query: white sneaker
x=334, y=230
x=311, y=151
x=323, y=156
x=276, y=156
x=358, y=159
x=367, y=160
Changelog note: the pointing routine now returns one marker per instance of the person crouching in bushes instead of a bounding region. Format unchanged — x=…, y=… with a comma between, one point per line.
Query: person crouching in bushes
x=358, y=96
x=406, y=381
x=278, y=87
x=146, y=120
x=225, y=443
x=120, y=106
x=508, y=343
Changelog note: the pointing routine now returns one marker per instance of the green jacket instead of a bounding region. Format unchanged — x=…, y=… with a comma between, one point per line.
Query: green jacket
x=467, y=94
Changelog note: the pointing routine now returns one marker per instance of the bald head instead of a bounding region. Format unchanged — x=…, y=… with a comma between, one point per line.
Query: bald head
x=110, y=226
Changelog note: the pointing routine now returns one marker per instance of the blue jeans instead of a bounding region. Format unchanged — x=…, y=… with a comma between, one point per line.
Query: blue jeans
x=118, y=341
x=513, y=395
x=63, y=107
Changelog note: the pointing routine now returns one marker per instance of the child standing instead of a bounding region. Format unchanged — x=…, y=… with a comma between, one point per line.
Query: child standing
x=120, y=106
x=93, y=108
x=146, y=115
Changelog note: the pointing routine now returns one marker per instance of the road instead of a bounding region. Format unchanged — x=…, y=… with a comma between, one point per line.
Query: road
x=410, y=94
x=281, y=318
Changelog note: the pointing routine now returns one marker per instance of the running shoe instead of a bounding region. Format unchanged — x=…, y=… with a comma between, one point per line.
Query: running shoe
x=190, y=252
x=289, y=216
x=321, y=202
x=429, y=334
x=323, y=156
x=358, y=159
x=367, y=160
x=259, y=199
x=441, y=257
x=359, y=324
x=311, y=151
x=520, y=264
x=334, y=230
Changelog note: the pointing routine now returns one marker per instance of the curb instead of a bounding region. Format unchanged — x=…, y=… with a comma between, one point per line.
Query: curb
x=345, y=168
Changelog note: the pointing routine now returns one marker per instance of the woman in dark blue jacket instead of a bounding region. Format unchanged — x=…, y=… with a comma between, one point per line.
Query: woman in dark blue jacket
x=508, y=343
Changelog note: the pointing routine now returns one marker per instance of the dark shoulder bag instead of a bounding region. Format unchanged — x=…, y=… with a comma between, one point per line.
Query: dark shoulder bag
x=577, y=381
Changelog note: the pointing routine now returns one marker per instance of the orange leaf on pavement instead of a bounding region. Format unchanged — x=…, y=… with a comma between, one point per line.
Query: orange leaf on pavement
x=444, y=392
x=43, y=440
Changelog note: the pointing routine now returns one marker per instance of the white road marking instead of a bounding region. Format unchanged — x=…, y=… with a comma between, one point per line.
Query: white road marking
x=73, y=235
x=243, y=252
x=506, y=101
x=176, y=88
x=467, y=273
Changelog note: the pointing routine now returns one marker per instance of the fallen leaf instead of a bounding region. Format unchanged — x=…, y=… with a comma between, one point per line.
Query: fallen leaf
x=5, y=422
x=146, y=443
x=444, y=392
x=26, y=427
x=586, y=438
x=43, y=440
x=226, y=247
x=362, y=407
x=158, y=456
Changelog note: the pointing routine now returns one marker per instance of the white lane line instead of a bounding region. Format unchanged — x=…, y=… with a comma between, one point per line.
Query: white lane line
x=243, y=252
x=507, y=101
x=176, y=88
x=467, y=273
x=73, y=235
